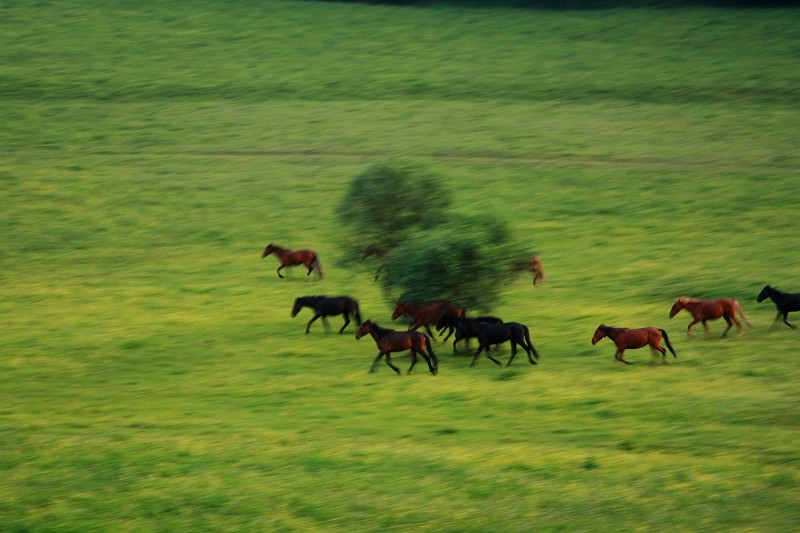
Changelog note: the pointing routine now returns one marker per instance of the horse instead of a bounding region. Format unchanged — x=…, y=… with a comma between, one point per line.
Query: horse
x=785, y=302
x=467, y=328
x=626, y=338
x=490, y=333
x=427, y=313
x=325, y=306
x=705, y=310
x=294, y=257
x=389, y=340
x=535, y=266
x=379, y=253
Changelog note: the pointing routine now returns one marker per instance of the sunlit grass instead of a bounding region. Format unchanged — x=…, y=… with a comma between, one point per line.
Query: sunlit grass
x=152, y=378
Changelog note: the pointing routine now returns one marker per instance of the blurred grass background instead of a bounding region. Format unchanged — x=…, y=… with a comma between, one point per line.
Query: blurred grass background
x=152, y=379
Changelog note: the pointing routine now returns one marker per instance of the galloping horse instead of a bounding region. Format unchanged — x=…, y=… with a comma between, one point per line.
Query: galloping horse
x=626, y=338
x=379, y=253
x=705, y=310
x=785, y=302
x=467, y=328
x=389, y=340
x=427, y=313
x=294, y=257
x=535, y=267
x=490, y=333
x=325, y=306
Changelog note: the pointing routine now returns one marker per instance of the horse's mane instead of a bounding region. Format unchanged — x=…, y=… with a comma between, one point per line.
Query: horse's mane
x=380, y=329
x=685, y=299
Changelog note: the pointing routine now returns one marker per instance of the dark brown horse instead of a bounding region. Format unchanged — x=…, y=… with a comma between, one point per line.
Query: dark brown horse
x=379, y=253
x=325, y=306
x=423, y=315
x=785, y=302
x=626, y=338
x=294, y=257
x=535, y=266
x=389, y=340
x=705, y=310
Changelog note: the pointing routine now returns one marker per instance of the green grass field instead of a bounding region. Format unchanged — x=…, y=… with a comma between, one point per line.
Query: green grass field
x=152, y=379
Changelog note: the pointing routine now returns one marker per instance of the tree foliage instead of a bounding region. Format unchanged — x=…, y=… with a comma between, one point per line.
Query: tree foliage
x=388, y=201
x=432, y=253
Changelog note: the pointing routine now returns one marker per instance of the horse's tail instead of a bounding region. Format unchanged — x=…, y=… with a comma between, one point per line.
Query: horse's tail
x=738, y=307
x=317, y=265
x=530, y=344
x=356, y=312
x=666, y=341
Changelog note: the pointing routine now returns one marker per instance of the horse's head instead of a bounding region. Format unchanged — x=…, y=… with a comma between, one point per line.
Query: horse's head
x=599, y=333
x=371, y=250
x=399, y=310
x=366, y=328
x=268, y=250
x=764, y=294
x=677, y=306
x=298, y=305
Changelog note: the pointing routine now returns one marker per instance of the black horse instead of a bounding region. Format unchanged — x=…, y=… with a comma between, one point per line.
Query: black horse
x=467, y=328
x=515, y=332
x=785, y=302
x=325, y=306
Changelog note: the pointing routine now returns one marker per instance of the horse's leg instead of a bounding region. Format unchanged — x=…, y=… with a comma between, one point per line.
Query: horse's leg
x=489, y=355
x=310, y=267
x=326, y=324
x=430, y=333
x=346, y=321
x=739, y=326
x=279, y=271
x=656, y=347
x=730, y=325
x=372, y=368
x=706, y=328
x=475, y=356
x=449, y=332
x=786, y=320
x=413, y=360
x=428, y=360
x=513, y=353
x=313, y=318
x=689, y=329
x=620, y=358
x=389, y=362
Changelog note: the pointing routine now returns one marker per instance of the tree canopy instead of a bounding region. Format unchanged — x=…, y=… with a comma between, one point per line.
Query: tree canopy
x=430, y=252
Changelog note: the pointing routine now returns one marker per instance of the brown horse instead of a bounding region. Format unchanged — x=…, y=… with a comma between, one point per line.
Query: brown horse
x=379, y=253
x=626, y=338
x=294, y=257
x=535, y=266
x=705, y=310
x=389, y=340
x=428, y=313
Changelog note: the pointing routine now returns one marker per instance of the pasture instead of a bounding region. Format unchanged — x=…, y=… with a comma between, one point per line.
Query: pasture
x=152, y=378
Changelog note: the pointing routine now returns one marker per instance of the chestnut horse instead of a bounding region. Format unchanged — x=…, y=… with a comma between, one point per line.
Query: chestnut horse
x=705, y=310
x=294, y=257
x=535, y=266
x=429, y=313
x=626, y=338
x=785, y=302
x=389, y=340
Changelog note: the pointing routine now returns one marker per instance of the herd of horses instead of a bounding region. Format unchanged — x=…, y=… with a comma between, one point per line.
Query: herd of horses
x=450, y=317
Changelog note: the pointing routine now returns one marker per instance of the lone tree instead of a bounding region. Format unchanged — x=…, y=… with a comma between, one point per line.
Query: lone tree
x=428, y=252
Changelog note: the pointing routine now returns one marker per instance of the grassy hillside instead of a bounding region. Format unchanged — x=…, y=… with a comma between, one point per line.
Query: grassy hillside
x=151, y=377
